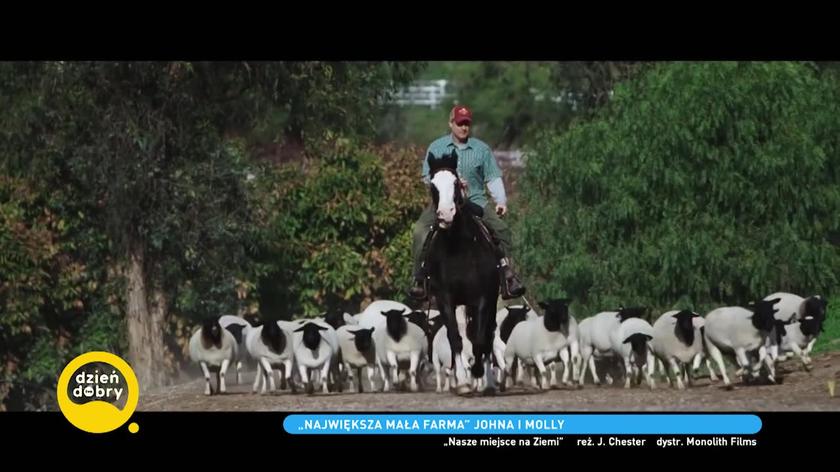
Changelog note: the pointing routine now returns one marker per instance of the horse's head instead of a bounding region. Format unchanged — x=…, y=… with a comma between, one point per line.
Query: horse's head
x=445, y=187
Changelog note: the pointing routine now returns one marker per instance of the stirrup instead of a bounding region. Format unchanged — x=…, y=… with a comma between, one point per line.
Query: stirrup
x=508, y=294
x=420, y=289
x=511, y=287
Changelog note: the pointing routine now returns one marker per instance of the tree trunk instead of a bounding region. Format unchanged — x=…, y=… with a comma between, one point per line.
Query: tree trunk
x=146, y=351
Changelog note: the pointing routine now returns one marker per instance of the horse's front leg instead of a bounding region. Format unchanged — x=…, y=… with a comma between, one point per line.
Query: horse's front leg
x=485, y=332
x=456, y=344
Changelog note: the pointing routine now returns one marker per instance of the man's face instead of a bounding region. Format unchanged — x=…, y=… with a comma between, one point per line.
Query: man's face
x=460, y=130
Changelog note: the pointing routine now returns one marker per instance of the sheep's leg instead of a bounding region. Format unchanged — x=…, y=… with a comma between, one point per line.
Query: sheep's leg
x=269, y=374
x=574, y=354
x=564, y=358
x=222, y=372
x=594, y=370
x=808, y=349
x=588, y=359
x=304, y=377
x=438, y=380
x=695, y=363
x=238, y=372
x=675, y=369
x=370, y=372
x=538, y=360
x=806, y=361
x=521, y=371
x=715, y=354
x=743, y=362
x=359, y=371
x=393, y=364
x=774, y=351
x=207, y=389
x=689, y=376
x=325, y=374
x=712, y=376
x=508, y=369
x=257, y=378
x=412, y=369
x=649, y=371
x=628, y=372
x=288, y=368
x=499, y=355
x=386, y=382
x=768, y=361
x=660, y=367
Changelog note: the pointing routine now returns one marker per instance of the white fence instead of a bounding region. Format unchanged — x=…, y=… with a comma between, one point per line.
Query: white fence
x=428, y=93
x=508, y=159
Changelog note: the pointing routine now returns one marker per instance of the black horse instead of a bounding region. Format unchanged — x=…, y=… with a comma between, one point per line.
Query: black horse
x=462, y=271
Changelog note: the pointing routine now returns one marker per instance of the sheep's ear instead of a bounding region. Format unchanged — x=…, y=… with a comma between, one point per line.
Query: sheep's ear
x=649, y=337
x=543, y=305
x=384, y=313
x=353, y=332
x=627, y=340
x=322, y=328
x=371, y=330
x=299, y=329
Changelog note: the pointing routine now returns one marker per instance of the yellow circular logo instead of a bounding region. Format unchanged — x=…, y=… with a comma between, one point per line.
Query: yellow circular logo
x=92, y=387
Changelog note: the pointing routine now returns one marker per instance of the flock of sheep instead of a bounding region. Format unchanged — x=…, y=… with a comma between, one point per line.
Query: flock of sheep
x=391, y=340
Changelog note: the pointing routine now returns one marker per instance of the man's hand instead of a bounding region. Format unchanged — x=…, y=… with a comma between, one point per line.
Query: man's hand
x=501, y=210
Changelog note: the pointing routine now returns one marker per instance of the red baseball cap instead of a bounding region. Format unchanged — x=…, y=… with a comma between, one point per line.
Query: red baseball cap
x=460, y=114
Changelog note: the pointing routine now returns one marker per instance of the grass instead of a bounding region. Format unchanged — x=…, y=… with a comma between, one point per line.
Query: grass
x=829, y=339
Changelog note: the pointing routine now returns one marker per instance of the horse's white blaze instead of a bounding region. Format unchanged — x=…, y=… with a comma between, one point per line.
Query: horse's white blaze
x=445, y=184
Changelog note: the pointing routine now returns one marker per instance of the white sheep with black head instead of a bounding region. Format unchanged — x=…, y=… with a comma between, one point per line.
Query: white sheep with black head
x=358, y=352
x=677, y=342
x=398, y=342
x=315, y=346
x=213, y=348
x=741, y=332
x=271, y=346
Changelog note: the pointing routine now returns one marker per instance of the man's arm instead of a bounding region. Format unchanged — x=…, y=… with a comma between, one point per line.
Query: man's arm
x=493, y=179
x=497, y=190
x=424, y=171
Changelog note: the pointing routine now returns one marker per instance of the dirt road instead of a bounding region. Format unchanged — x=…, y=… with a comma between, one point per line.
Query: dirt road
x=798, y=391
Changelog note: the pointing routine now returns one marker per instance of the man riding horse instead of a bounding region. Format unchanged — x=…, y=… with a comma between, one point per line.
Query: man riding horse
x=477, y=166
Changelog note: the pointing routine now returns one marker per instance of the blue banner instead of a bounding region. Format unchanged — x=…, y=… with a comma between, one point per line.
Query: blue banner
x=444, y=423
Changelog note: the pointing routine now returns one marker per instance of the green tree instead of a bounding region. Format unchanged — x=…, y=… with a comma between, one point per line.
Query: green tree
x=698, y=184
x=338, y=233
x=146, y=155
x=512, y=100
